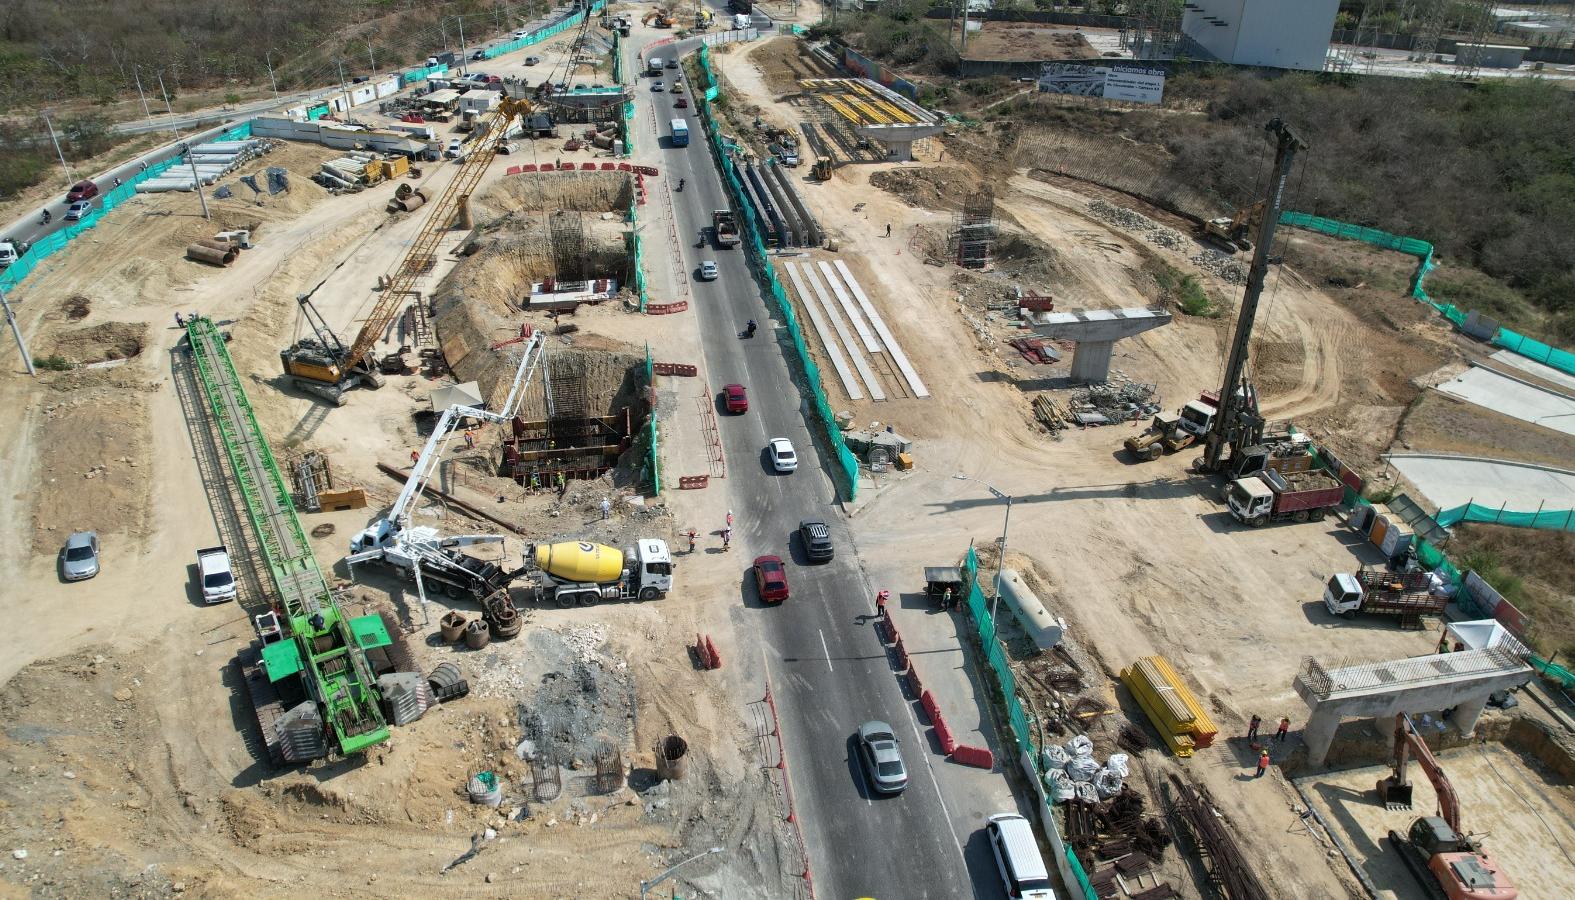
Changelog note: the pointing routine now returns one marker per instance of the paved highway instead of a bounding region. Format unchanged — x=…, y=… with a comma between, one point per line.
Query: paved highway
x=827, y=666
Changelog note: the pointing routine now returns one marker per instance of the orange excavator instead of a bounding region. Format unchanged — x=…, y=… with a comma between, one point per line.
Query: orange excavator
x=1449, y=864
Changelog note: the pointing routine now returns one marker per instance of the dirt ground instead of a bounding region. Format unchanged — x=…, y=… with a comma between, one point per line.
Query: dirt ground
x=1518, y=807
x=1027, y=41
x=108, y=448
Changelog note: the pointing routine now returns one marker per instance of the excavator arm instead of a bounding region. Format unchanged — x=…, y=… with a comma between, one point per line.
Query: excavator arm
x=425, y=246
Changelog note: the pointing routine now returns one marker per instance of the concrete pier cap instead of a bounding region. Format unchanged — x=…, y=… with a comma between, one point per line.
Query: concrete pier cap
x=1096, y=332
x=1459, y=681
x=898, y=139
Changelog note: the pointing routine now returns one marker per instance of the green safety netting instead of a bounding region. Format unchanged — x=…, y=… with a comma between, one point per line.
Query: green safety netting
x=755, y=251
x=1006, y=682
x=421, y=74
x=1550, y=519
x=654, y=463
x=536, y=37
x=638, y=253
x=1512, y=341
x=51, y=244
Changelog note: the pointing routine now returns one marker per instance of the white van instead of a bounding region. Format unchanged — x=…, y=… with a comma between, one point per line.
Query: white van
x=1023, y=872
x=740, y=21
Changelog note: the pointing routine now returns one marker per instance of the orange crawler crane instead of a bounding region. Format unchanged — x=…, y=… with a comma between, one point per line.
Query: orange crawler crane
x=1446, y=861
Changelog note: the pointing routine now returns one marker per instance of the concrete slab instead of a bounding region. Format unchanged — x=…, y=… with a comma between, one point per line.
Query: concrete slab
x=1449, y=481
x=1528, y=817
x=909, y=374
x=818, y=319
x=859, y=362
x=1532, y=367
x=1523, y=400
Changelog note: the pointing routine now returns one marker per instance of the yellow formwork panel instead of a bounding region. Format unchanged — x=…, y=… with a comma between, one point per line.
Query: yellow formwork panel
x=892, y=111
x=1179, y=743
x=1202, y=726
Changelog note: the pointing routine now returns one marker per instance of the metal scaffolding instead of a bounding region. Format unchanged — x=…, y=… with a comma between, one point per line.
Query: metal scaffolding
x=973, y=231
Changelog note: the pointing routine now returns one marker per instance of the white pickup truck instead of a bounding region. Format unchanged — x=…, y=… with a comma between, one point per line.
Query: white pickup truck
x=213, y=567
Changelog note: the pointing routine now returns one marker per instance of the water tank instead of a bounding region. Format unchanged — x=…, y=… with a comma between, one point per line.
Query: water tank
x=1045, y=629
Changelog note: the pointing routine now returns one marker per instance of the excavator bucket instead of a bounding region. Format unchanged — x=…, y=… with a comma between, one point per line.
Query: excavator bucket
x=1394, y=795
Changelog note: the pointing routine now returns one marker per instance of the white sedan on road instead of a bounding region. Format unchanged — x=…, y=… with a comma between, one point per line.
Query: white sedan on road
x=783, y=459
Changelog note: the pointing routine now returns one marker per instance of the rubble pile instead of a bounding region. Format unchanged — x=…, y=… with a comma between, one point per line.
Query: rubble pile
x=1225, y=267
x=1137, y=223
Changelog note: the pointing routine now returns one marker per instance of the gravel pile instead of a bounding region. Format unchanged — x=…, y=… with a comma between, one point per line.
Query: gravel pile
x=1219, y=264
x=1137, y=223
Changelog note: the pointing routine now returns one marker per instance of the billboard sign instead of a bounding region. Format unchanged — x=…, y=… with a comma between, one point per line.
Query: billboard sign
x=1137, y=84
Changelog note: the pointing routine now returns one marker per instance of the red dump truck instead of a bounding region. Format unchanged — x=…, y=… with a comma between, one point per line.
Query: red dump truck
x=1407, y=595
x=1270, y=496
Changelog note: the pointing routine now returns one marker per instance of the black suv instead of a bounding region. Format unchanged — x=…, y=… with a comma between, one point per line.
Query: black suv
x=817, y=539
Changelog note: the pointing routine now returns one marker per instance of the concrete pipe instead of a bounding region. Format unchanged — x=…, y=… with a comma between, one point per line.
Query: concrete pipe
x=477, y=634
x=413, y=202
x=452, y=626
x=209, y=255
x=403, y=191
x=602, y=141
x=215, y=245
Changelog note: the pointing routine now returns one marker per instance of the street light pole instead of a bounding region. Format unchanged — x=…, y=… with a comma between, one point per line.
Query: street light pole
x=645, y=886
x=50, y=125
x=196, y=180
x=136, y=73
x=16, y=332
x=1000, y=561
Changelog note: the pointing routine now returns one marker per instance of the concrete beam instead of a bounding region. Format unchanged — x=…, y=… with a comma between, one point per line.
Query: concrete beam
x=1462, y=681
x=1096, y=332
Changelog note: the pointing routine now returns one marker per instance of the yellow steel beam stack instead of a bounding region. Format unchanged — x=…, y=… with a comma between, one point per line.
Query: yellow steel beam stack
x=1169, y=704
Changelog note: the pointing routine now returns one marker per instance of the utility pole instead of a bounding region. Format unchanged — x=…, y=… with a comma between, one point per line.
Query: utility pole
x=1225, y=432
x=344, y=88
x=167, y=107
x=16, y=332
x=268, y=60
x=464, y=55
x=136, y=73
x=70, y=178
x=196, y=181
x=372, y=58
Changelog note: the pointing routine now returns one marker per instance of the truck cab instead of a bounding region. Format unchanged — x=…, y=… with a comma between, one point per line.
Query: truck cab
x=1342, y=596
x=1197, y=417
x=1250, y=500
x=655, y=569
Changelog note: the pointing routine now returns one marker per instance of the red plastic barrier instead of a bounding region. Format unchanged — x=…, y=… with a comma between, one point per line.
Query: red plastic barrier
x=931, y=708
x=587, y=167
x=716, y=658
x=978, y=757
x=902, y=656
x=693, y=482
x=663, y=309
x=565, y=167
x=700, y=651
x=675, y=369
x=914, y=684
x=646, y=170
x=512, y=170
x=624, y=167
x=943, y=735
x=528, y=167
x=608, y=167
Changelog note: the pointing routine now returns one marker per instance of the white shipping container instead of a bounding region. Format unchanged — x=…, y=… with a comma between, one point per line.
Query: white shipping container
x=384, y=88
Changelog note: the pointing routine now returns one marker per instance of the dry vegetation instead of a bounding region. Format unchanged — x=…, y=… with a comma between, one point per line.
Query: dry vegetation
x=1532, y=569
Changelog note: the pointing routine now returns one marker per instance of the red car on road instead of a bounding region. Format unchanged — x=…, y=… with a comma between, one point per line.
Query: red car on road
x=771, y=579
x=736, y=397
x=82, y=190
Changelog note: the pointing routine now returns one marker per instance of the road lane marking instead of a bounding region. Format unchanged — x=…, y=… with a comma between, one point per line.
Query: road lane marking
x=826, y=649
x=918, y=736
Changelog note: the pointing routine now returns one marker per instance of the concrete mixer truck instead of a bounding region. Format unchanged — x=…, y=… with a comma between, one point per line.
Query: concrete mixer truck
x=579, y=573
